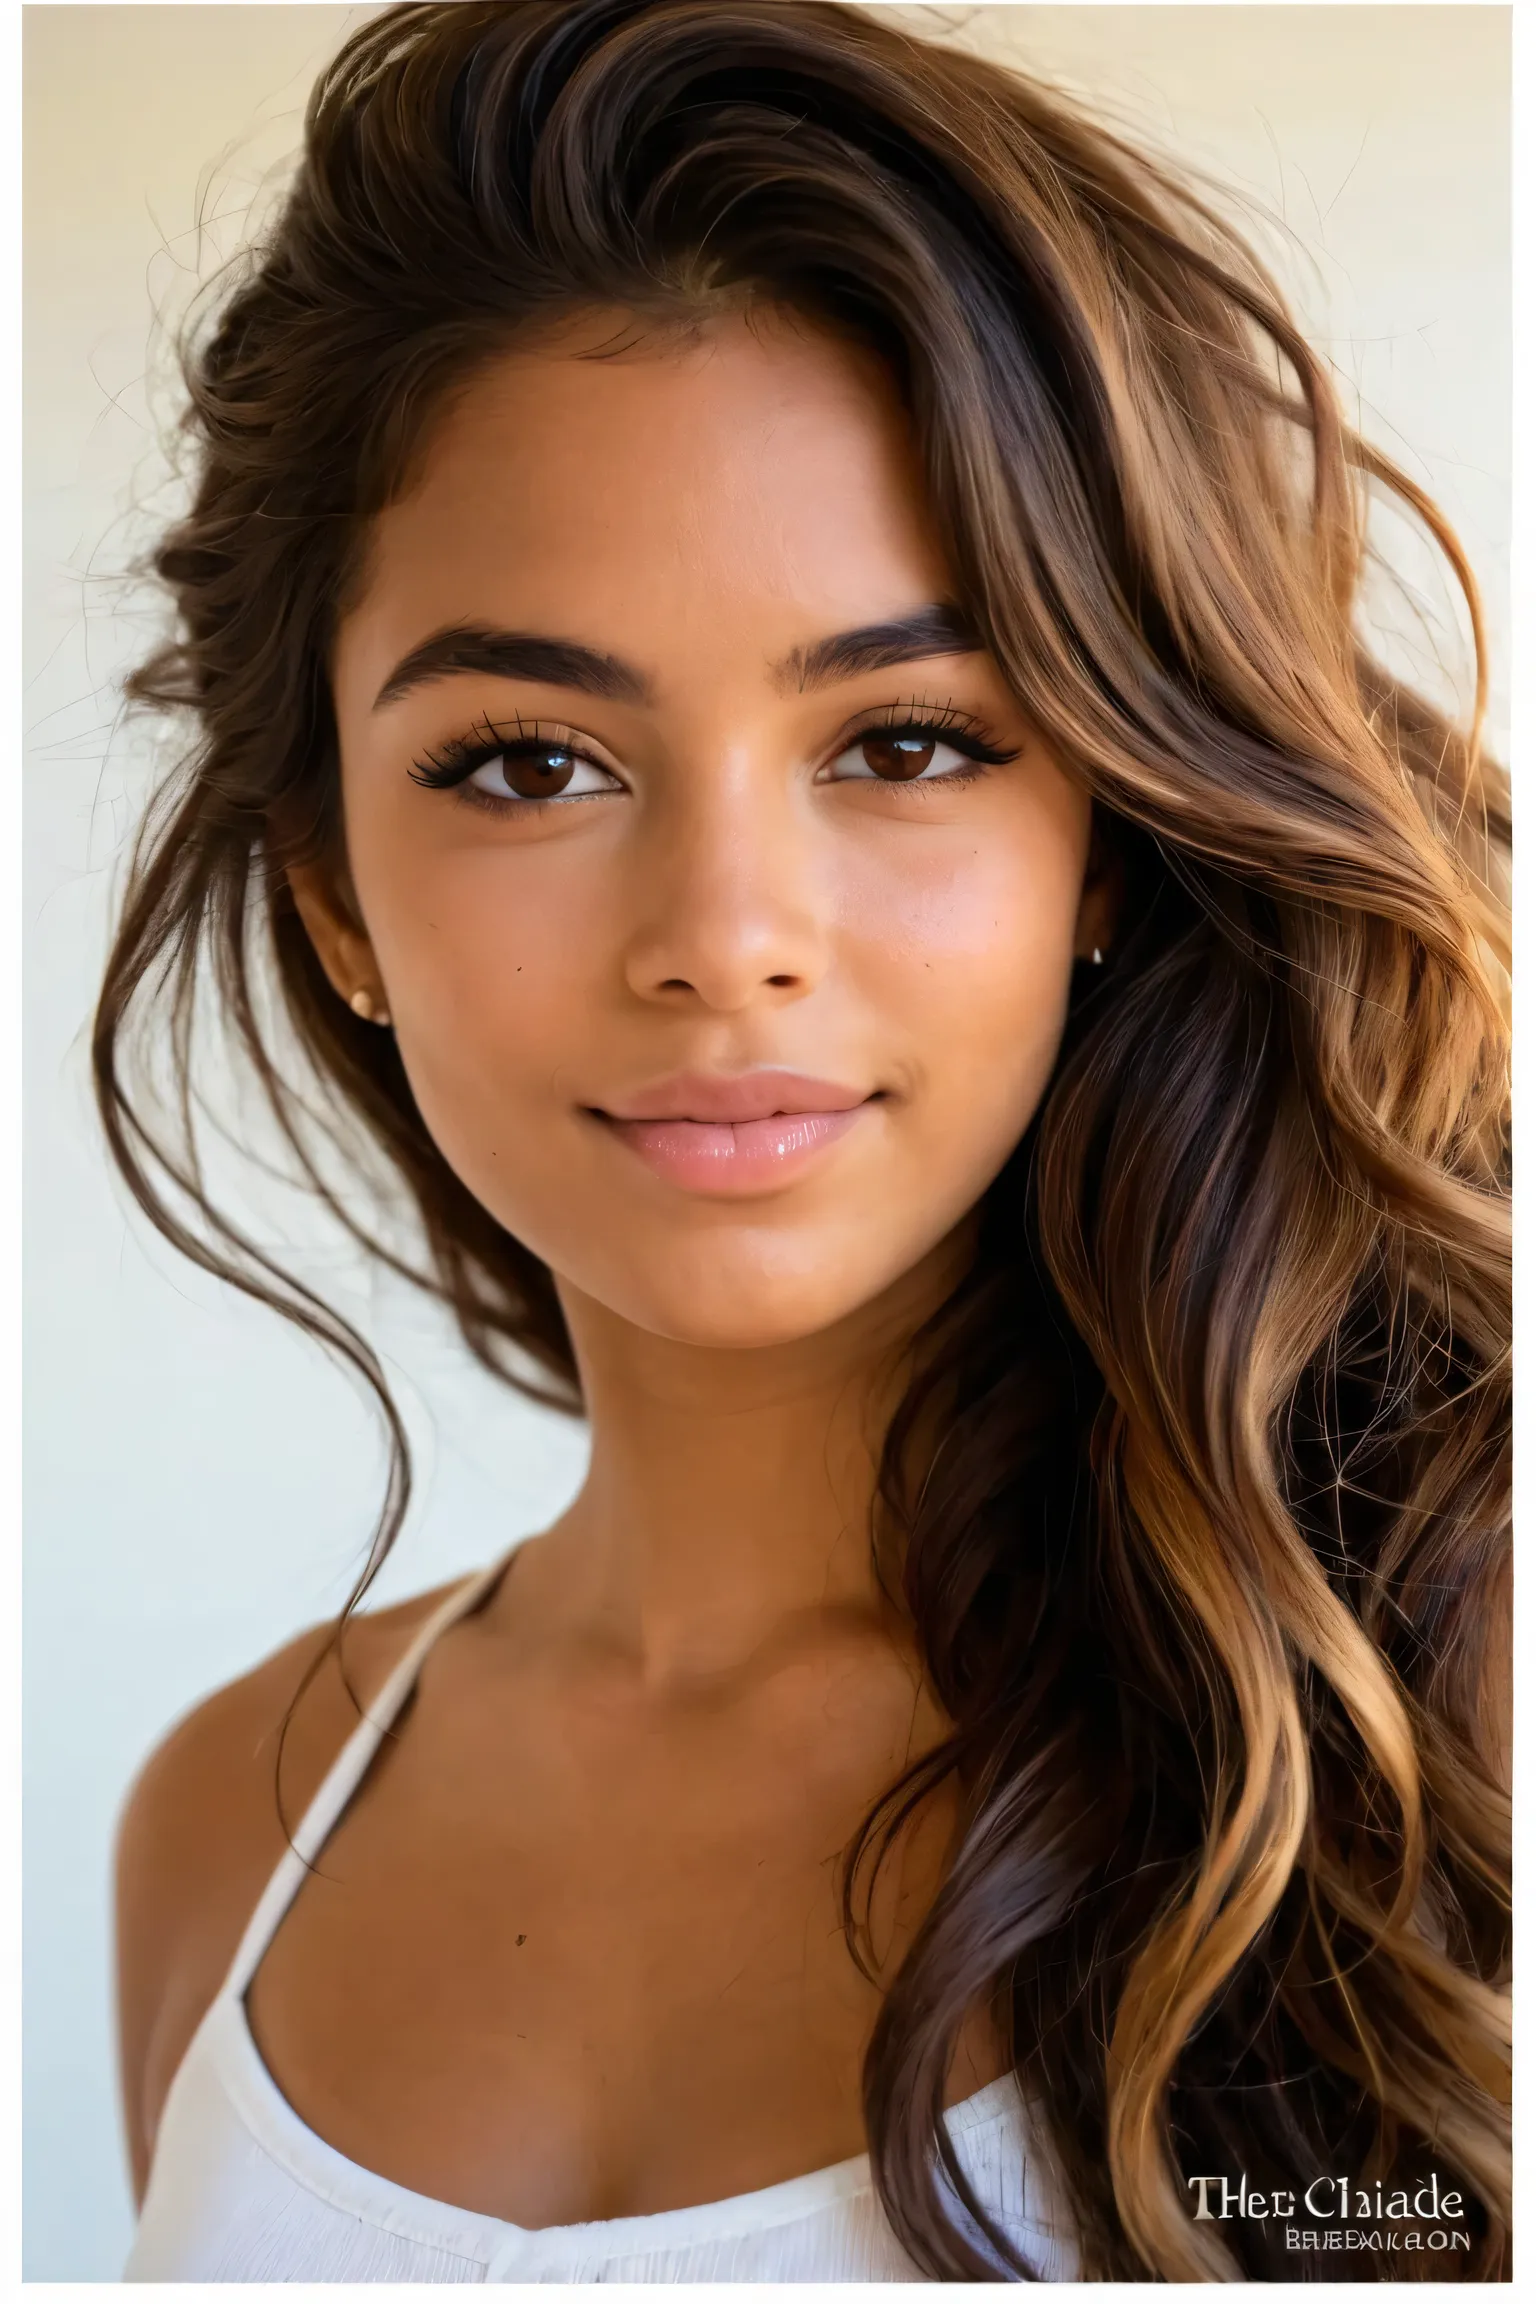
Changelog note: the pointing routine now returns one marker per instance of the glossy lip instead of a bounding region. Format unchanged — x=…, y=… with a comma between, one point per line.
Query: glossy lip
x=764, y=1094
x=733, y=1135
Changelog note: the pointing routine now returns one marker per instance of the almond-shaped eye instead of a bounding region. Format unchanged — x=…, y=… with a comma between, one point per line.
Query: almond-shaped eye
x=541, y=772
x=898, y=756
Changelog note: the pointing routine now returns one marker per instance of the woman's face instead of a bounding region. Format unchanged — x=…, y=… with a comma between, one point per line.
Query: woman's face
x=734, y=968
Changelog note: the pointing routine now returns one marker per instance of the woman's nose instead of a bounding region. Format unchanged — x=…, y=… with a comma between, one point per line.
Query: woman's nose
x=731, y=903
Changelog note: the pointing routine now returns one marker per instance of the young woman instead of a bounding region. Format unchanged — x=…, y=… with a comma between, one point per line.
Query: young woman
x=770, y=622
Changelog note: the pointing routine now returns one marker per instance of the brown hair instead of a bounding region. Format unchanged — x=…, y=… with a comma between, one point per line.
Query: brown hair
x=1209, y=1568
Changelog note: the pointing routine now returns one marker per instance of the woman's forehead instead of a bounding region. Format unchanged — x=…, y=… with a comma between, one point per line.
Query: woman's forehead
x=756, y=479
x=735, y=418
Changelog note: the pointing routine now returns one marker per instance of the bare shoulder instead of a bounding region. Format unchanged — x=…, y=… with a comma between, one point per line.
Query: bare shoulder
x=201, y=1834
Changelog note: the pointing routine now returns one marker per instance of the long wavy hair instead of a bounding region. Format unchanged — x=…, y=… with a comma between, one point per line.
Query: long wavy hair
x=1209, y=1566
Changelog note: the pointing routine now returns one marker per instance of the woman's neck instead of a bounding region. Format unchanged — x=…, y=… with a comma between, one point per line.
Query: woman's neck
x=727, y=1507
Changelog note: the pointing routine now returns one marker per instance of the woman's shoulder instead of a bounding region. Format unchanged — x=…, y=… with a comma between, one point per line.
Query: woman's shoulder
x=211, y=1784
x=202, y=1831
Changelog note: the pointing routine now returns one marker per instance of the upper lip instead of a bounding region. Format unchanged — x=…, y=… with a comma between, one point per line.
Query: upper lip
x=722, y=1096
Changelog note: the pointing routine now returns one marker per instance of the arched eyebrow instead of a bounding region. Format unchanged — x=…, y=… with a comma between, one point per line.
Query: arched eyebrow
x=939, y=630
x=513, y=656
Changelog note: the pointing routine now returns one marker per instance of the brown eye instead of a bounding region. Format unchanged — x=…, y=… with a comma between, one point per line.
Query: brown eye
x=537, y=775
x=902, y=756
x=541, y=772
x=898, y=758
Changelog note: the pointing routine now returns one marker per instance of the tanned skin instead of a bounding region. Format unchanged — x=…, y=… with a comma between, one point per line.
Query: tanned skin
x=573, y=1950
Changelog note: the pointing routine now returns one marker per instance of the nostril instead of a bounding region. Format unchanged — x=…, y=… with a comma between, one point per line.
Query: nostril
x=781, y=983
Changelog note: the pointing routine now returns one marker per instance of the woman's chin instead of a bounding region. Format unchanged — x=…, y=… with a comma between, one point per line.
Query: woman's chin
x=732, y=1310
x=786, y=1293
x=741, y=1322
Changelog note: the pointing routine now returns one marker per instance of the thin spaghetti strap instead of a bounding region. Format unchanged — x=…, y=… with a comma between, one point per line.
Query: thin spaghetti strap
x=345, y=1774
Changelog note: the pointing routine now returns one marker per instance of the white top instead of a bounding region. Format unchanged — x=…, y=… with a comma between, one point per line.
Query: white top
x=241, y=2189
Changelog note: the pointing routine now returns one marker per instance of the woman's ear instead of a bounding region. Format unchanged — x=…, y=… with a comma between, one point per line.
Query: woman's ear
x=1103, y=897
x=323, y=898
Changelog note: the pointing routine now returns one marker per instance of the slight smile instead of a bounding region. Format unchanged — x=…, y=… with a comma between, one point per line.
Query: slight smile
x=733, y=1135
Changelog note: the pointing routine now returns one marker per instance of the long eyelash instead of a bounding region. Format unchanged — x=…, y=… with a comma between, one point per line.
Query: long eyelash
x=456, y=761
x=459, y=758
x=920, y=717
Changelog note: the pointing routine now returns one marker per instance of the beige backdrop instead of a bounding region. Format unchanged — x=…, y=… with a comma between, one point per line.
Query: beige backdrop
x=197, y=1485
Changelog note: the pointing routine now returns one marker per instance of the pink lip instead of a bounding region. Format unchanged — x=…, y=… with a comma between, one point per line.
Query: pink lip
x=766, y=1094
x=737, y=1135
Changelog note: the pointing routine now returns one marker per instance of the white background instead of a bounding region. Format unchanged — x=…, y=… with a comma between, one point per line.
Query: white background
x=199, y=1483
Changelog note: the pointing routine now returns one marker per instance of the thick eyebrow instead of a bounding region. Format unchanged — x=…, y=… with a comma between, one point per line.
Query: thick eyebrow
x=514, y=656
x=939, y=630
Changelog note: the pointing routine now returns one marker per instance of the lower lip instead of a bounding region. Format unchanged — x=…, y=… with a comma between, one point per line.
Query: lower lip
x=734, y=1158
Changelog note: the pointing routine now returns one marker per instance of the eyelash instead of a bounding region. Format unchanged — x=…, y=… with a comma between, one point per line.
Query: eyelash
x=450, y=767
x=919, y=716
x=440, y=771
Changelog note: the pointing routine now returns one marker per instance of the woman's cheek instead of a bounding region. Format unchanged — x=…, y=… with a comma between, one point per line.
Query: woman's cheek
x=967, y=949
x=482, y=950
x=496, y=980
